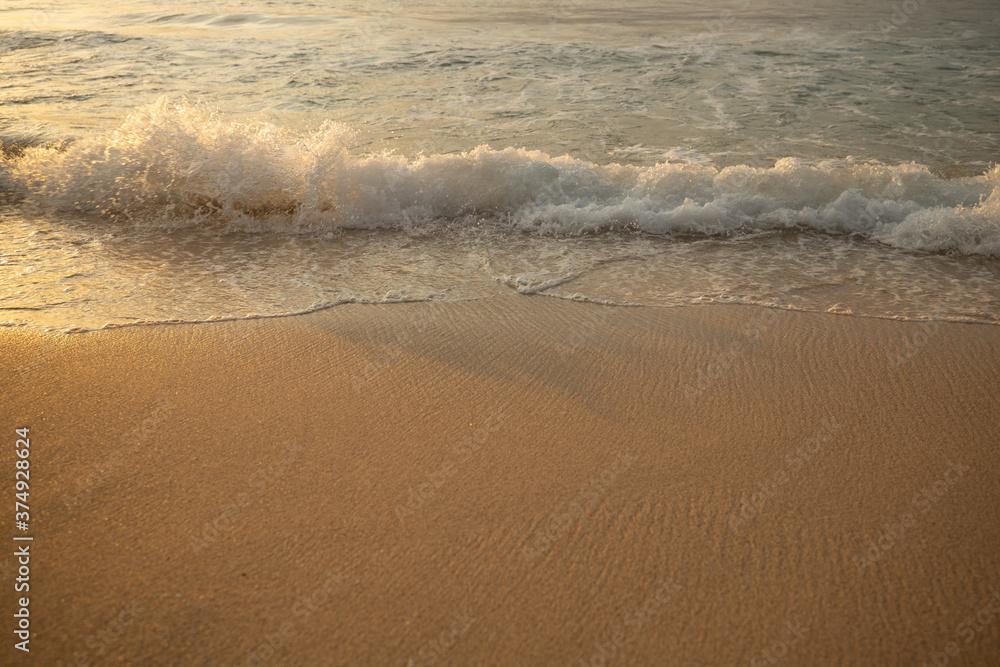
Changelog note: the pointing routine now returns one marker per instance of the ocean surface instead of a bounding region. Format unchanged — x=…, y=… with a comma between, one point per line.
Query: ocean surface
x=191, y=161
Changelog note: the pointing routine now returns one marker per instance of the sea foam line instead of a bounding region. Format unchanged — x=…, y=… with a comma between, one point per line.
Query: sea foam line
x=175, y=165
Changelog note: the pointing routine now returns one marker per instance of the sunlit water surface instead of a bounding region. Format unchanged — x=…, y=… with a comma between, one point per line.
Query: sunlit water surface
x=195, y=162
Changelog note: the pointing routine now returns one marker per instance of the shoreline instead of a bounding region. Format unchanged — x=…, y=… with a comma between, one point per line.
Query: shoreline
x=515, y=480
x=319, y=308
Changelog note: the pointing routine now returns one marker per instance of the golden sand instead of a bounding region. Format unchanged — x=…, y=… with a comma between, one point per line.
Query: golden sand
x=513, y=481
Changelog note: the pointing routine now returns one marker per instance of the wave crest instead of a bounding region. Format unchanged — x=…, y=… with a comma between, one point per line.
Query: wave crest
x=178, y=164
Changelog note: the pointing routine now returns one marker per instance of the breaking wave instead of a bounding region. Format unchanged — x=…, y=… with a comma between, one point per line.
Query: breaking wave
x=174, y=165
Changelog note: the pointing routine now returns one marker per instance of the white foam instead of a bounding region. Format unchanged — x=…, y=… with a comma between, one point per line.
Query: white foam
x=172, y=165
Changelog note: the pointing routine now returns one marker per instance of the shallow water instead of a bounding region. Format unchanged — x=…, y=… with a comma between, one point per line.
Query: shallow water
x=189, y=163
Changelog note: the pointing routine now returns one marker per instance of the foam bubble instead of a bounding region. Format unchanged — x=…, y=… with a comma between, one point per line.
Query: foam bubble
x=175, y=165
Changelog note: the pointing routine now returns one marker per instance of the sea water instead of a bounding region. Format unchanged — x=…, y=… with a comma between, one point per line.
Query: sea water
x=189, y=161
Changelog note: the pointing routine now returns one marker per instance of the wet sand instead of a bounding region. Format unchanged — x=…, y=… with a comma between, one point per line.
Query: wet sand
x=511, y=481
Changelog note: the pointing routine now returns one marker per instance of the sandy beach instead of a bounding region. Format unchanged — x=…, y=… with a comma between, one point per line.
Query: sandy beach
x=512, y=481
